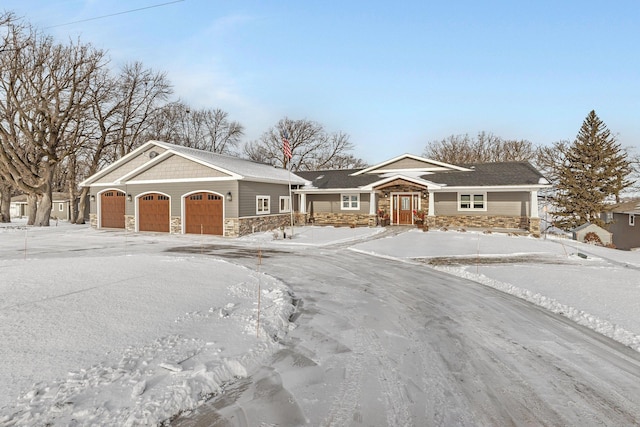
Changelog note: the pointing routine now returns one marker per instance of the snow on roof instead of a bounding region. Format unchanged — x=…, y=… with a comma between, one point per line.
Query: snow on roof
x=247, y=168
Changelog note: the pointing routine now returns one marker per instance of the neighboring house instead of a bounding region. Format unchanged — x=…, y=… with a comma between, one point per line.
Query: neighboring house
x=579, y=233
x=408, y=188
x=60, y=208
x=623, y=221
x=169, y=188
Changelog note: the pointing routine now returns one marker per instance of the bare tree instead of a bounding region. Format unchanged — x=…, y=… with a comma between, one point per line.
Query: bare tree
x=131, y=98
x=312, y=147
x=141, y=93
x=5, y=200
x=204, y=129
x=484, y=148
x=44, y=92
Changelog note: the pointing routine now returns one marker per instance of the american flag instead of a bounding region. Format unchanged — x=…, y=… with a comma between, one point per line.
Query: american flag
x=286, y=146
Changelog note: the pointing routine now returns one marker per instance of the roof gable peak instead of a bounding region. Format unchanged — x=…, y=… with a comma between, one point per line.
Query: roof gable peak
x=409, y=162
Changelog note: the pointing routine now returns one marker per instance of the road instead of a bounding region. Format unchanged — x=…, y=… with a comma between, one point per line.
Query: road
x=383, y=342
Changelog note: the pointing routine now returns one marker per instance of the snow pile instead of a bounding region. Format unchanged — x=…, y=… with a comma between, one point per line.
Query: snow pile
x=127, y=340
x=594, y=286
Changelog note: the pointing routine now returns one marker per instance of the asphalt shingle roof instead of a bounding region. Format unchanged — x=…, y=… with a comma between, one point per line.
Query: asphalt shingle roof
x=489, y=174
x=340, y=178
x=483, y=174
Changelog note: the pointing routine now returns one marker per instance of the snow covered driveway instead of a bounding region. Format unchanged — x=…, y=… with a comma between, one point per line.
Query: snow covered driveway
x=385, y=342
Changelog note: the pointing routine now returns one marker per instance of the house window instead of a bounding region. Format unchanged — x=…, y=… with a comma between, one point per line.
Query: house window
x=350, y=201
x=263, y=205
x=285, y=204
x=472, y=201
x=632, y=220
x=60, y=207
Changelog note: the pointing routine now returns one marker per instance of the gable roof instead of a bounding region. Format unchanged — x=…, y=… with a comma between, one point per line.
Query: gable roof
x=408, y=162
x=473, y=175
x=230, y=166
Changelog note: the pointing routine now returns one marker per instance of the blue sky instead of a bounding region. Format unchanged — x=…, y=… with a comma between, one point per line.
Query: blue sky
x=393, y=75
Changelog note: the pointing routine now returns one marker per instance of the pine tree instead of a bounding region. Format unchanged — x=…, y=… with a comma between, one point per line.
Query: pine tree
x=589, y=171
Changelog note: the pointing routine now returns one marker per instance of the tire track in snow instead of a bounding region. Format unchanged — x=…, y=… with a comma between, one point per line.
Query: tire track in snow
x=397, y=409
x=344, y=410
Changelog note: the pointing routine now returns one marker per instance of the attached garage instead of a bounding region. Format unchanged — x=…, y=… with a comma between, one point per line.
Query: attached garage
x=203, y=214
x=153, y=212
x=112, y=209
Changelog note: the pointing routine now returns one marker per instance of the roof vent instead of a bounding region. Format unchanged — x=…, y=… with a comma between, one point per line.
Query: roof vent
x=153, y=154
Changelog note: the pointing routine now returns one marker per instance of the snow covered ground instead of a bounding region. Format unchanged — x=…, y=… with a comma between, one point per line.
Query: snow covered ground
x=114, y=328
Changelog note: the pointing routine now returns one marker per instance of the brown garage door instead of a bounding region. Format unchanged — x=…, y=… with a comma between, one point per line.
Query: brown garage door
x=203, y=214
x=153, y=213
x=112, y=209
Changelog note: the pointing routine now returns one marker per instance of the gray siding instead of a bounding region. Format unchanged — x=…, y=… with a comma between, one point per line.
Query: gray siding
x=249, y=191
x=498, y=203
x=330, y=203
x=625, y=236
x=129, y=166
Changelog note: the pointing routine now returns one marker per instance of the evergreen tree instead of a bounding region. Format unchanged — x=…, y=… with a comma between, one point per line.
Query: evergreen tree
x=589, y=171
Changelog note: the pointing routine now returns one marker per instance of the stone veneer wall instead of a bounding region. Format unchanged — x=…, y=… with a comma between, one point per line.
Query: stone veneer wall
x=343, y=219
x=261, y=223
x=175, y=226
x=93, y=220
x=484, y=221
x=130, y=223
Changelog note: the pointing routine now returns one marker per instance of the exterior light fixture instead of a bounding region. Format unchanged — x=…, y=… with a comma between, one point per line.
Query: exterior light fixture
x=129, y=198
x=93, y=198
x=229, y=197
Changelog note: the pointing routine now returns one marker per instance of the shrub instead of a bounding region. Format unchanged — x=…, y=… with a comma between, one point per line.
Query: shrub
x=593, y=239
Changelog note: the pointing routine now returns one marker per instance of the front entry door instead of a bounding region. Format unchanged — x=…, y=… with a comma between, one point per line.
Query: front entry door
x=405, y=210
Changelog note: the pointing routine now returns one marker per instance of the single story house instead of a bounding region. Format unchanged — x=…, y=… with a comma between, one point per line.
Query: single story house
x=169, y=188
x=621, y=222
x=410, y=189
x=60, y=209
x=580, y=233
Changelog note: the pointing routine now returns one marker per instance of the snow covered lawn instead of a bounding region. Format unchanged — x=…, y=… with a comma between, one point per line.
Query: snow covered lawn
x=105, y=327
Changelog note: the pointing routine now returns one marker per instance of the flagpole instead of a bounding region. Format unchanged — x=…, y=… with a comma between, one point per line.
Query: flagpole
x=290, y=200
x=286, y=148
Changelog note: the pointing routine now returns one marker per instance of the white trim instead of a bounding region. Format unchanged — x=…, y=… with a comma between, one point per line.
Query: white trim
x=495, y=188
x=447, y=166
x=432, y=204
x=533, y=211
x=116, y=164
x=373, y=203
x=183, y=208
x=472, y=202
x=350, y=201
x=288, y=199
x=260, y=197
x=422, y=182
